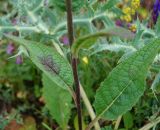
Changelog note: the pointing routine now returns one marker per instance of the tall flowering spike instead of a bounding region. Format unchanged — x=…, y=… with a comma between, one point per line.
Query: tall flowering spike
x=156, y=10
x=10, y=48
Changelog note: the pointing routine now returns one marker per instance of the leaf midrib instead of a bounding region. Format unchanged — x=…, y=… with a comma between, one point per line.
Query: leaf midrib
x=115, y=99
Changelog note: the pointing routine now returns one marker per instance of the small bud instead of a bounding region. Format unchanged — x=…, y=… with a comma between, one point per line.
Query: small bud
x=10, y=48
x=119, y=23
x=19, y=60
x=64, y=39
x=85, y=60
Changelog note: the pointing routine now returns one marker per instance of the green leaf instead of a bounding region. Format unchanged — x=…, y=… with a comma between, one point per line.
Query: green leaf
x=156, y=82
x=112, y=48
x=76, y=127
x=125, y=56
x=58, y=101
x=49, y=61
x=88, y=40
x=23, y=5
x=157, y=27
x=128, y=120
x=4, y=23
x=61, y=4
x=125, y=84
x=107, y=128
x=109, y=4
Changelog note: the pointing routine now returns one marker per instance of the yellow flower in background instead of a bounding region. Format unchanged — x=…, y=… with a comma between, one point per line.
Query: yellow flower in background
x=133, y=11
x=126, y=10
x=143, y=13
x=133, y=28
x=127, y=18
x=85, y=60
x=129, y=9
x=126, y=1
x=135, y=4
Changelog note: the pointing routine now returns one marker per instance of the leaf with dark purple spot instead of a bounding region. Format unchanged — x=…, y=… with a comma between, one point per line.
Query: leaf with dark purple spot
x=47, y=59
x=49, y=64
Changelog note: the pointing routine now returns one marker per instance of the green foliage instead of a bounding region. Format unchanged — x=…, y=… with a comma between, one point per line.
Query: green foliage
x=49, y=61
x=88, y=40
x=113, y=48
x=110, y=4
x=61, y=4
x=107, y=128
x=23, y=6
x=156, y=82
x=128, y=120
x=157, y=27
x=10, y=117
x=76, y=123
x=115, y=98
x=96, y=38
x=58, y=101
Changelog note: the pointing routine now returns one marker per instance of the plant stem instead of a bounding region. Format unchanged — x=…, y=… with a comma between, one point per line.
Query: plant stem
x=151, y=124
x=93, y=123
x=74, y=61
x=117, y=123
x=89, y=107
x=20, y=28
x=78, y=100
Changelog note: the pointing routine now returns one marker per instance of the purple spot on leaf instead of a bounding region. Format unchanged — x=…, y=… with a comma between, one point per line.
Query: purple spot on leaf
x=49, y=64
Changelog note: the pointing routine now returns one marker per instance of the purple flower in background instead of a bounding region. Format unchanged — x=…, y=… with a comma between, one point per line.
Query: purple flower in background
x=10, y=48
x=119, y=23
x=65, y=40
x=19, y=60
x=156, y=10
x=129, y=25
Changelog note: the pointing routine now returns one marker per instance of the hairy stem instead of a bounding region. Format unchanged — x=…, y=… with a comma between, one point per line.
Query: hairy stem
x=74, y=61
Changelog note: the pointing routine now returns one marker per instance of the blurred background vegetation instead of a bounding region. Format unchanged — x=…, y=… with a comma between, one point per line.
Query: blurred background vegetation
x=22, y=106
